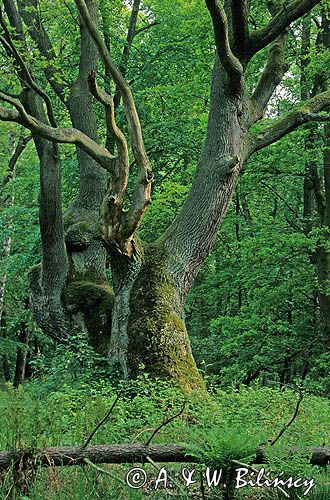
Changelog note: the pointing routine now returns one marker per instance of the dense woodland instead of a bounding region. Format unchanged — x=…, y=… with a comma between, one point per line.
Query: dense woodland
x=165, y=240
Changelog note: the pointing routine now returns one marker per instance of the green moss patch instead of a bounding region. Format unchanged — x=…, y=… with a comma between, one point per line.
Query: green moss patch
x=95, y=302
x=158, y=339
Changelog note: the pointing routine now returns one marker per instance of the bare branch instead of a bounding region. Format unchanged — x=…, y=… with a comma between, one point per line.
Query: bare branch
x=289, y=13
x=142, y=191
x=220, y=24
x=57, y=135
x=305, y=113
x=146, y=27
x=271, y=188
x=104, y=471
x=166, y=422
x=28, y=79
x=104, y=419
x=292, y=419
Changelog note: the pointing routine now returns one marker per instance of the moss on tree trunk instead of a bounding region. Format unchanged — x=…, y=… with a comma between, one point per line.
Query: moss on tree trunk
x=158, y=342
x=94, y=303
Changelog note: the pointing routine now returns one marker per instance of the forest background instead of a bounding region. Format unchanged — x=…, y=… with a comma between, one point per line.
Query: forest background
x=258, y=314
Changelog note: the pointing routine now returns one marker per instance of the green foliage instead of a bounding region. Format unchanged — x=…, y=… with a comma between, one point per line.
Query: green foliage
x=220, y=428
x=221, y=445
x=253, y=313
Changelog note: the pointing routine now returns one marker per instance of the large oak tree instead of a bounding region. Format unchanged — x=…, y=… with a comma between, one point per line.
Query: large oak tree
x=140, y=320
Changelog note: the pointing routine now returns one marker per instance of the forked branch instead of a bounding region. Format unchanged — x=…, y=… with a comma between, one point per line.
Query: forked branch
x=221, y=33
x=142, y=193
x=57, y=135
x=113, y=201
x=107, y=101
x=289, y=13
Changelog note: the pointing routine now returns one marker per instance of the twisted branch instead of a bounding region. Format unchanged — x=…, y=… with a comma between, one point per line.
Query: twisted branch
x=142, y=193
x=57, y=135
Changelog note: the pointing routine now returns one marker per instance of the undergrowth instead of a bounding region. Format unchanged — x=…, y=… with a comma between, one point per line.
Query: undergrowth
x=219, y=428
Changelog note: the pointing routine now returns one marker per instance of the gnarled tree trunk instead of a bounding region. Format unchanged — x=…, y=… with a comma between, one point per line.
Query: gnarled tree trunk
x=151, y=282
x=148, y=329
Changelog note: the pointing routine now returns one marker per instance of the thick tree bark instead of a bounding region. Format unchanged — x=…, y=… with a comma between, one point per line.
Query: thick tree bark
x=48, y=281
x=191, y=236
x=148, y=330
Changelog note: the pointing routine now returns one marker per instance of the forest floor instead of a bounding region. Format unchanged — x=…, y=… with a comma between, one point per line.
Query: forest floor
x=225, y=426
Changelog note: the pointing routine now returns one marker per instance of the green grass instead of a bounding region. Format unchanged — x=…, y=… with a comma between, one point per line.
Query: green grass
x=222, y=426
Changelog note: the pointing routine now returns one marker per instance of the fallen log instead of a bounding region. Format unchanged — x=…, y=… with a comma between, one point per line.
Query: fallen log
x=100, y=454
x=318, y=455
x=127, y=453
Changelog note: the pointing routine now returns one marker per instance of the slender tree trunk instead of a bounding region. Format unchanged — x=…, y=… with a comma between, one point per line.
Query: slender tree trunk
x=6, y=369
x=238, y=241
x=313, y=184
x=322, y=254
x=21, y=357
x=6, y=202
x=4, y=358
